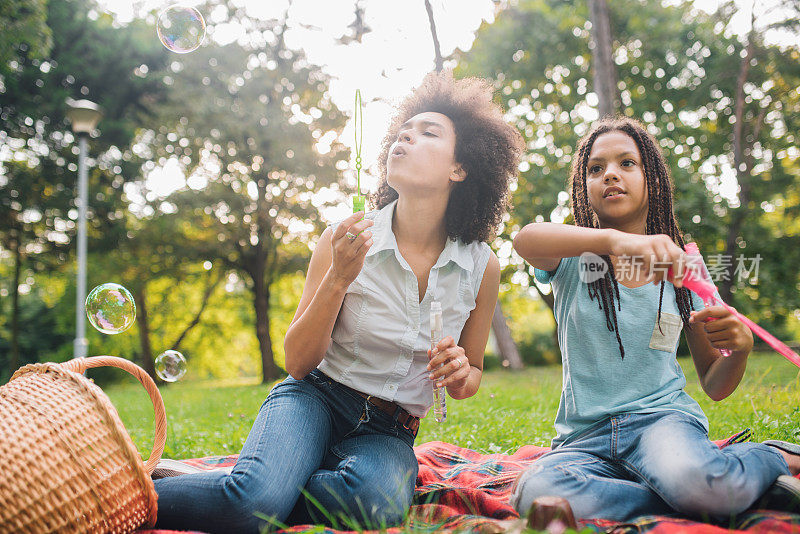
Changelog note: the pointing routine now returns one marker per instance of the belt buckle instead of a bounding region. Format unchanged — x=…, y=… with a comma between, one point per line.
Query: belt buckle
x=414, y=423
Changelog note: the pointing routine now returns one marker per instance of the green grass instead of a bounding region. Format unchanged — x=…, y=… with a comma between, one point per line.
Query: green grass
x=511, y=409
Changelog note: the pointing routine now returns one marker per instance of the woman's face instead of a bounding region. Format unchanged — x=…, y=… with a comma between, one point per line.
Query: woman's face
x=422, y=158
x=615, y=182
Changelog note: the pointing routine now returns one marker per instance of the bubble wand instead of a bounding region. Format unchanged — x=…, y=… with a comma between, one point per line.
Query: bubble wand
x=707, y=291
x=359, y=200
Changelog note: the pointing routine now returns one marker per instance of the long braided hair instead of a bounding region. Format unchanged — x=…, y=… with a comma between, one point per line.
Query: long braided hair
x=660, y=216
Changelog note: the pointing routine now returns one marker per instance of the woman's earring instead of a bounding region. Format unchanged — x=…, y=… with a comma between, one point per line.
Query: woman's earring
x=458, y=175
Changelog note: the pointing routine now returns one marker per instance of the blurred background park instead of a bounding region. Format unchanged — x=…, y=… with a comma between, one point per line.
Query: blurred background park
x=211, y=174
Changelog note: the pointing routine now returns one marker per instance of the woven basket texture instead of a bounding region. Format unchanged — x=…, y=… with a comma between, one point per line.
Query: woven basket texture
x=68, y=463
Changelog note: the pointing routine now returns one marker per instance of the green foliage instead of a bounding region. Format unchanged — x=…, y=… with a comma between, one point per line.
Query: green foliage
x=39, y=339
x=264, y=103
x=224, y=347
x=245, y=121
x=25, y=31
x=677, y=71
x=91, y=57
x=286, y=296
x=532, y=325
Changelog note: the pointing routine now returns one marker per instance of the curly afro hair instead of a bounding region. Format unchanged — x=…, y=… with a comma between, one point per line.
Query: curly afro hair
x=487, y=148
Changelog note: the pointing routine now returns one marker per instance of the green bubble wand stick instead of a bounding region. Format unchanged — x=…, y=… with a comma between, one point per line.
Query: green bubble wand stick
x=359, y=200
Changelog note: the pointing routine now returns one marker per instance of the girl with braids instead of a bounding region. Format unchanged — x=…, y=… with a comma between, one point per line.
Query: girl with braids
x=630, y=441
x=333, y=442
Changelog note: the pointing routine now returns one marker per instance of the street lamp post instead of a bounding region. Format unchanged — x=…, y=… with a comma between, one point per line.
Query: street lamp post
x=84, y=116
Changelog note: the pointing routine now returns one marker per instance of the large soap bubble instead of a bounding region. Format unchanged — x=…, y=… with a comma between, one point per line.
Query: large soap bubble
x=181, y=28
x=170, y=366
x=110, y=308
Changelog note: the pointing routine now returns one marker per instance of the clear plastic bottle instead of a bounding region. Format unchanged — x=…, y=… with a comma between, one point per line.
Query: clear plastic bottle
x=437, y=333
x=697, y=264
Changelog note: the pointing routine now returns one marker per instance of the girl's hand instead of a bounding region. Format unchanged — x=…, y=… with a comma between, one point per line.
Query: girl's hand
x=349, y=245
x=448, y=364
x=651, y=256
x=723, y=329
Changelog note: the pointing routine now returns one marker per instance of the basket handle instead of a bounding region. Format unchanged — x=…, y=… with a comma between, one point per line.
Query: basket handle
x=79, y=365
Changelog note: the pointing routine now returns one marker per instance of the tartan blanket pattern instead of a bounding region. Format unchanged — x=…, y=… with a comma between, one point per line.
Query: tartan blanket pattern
x=462, y=490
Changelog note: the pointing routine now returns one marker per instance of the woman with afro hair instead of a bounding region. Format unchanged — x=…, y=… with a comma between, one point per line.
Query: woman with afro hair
x=333, y=442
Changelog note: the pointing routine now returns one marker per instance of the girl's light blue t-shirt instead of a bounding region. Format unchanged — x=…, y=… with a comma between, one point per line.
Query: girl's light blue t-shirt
x=597, y=381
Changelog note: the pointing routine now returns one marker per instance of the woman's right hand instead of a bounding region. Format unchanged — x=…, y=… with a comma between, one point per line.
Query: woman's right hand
x=349, y=245
x=652, y=255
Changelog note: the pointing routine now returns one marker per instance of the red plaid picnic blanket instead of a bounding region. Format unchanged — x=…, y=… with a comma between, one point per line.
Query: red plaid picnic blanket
x=460, y=489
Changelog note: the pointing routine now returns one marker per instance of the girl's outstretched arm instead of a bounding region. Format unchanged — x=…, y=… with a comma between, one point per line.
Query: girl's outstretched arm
x=544, y=244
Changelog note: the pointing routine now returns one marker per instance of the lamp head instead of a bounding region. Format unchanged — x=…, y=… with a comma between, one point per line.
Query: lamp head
x=83, y=114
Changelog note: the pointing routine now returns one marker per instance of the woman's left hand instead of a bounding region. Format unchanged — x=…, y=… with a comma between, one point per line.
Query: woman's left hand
x=448, y=365
x=723, y=329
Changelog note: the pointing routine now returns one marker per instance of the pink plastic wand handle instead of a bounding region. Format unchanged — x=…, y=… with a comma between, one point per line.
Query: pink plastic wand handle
x=771, y=340
x=705, y=290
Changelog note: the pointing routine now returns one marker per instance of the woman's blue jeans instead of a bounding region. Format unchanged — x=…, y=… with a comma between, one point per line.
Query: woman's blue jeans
x=660, y=463
x=317, y=452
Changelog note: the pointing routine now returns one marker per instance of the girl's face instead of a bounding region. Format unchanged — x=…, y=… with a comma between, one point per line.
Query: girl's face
x=422, y=158
x=615, y=182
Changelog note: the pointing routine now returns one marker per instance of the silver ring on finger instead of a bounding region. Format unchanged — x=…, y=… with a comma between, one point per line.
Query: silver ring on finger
x=350, y=236
x=458, y=360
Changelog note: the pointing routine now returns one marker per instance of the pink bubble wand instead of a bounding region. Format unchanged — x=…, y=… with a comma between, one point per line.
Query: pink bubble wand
x=707, y=291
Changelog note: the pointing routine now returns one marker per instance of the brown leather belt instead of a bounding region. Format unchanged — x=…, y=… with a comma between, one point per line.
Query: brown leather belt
x=390, y=408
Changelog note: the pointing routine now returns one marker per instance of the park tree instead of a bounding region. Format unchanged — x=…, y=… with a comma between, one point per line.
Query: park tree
x=158, y=264
x=254, y=129
x=90, y=57
x=764, y=107
x=509, y=354
x=25, y=32
x=677, y=71
x=605, y=71
x=25, y=212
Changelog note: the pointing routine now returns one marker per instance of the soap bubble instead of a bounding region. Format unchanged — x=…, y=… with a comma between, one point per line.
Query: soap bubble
x=110, y=308
x=170, y=366
x=181, y=28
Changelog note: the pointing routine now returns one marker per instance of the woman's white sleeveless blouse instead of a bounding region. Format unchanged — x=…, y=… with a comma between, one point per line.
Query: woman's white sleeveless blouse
x=381, y=337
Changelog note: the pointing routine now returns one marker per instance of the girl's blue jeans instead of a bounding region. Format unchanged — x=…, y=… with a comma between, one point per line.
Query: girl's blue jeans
x=646, y=464
x=317, y=452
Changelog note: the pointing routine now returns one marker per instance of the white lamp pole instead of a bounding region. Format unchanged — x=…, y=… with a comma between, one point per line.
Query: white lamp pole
x=84, y=116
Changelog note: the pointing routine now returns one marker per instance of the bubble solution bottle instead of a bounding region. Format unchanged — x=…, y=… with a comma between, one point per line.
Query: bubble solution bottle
x=698, y=267
x=439, y=393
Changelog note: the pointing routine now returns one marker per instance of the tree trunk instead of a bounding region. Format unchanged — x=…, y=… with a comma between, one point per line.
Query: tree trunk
x=505, y=343
x=13, y=361
x=257, y=269
x=742, y=169
x=436, y=49
x=210, y=286
x=148, y=364
x=550, y=300
x=261, y=294
x=605, y=71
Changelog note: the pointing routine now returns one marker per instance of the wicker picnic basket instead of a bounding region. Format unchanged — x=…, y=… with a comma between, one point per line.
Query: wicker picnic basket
x=68, y=464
